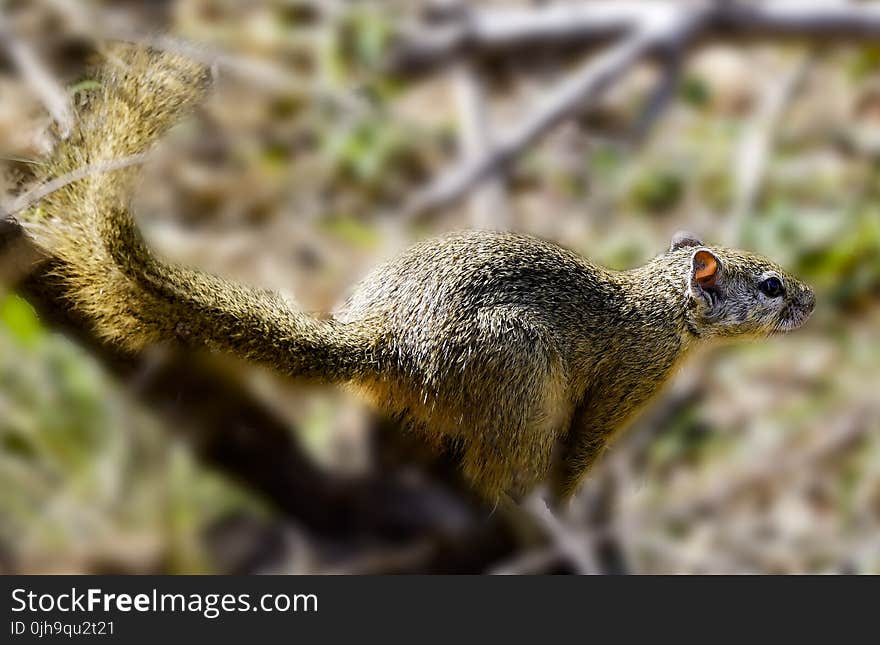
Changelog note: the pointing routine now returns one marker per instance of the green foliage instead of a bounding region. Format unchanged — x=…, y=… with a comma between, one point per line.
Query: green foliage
x=695, y=92
x=351, y=230
x=848, y=265
x=365, y=150
x=85, y=85
x=19, y=318
x=658, y=191
x=605, y=161
x=864, y=62
x=359, y=42
x=689, y=438
x=83, y=468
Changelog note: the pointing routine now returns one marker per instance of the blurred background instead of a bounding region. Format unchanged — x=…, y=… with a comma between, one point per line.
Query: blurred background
x=341, y=132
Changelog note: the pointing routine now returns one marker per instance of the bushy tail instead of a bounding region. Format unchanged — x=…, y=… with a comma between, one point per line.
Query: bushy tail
x=140, y=94
x=133, y=298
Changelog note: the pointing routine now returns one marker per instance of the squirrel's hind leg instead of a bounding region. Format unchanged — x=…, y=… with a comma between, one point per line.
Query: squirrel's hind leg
x=522, y=404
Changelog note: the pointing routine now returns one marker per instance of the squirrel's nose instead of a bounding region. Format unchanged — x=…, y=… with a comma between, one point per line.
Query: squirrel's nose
x=808, y=299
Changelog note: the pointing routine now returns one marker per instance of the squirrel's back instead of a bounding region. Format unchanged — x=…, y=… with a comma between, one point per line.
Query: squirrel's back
x=445, y=280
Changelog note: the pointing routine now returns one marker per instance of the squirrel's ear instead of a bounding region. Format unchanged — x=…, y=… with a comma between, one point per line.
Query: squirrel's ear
x=705, y=268
x=684, y=239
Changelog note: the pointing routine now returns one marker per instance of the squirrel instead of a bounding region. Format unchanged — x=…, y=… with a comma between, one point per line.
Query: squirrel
x=522, y=356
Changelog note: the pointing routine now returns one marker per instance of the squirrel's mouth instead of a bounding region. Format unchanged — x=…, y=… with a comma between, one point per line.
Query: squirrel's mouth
x=794, y=318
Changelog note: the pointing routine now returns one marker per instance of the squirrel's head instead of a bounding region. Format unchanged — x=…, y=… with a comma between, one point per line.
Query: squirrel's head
x=736, y=293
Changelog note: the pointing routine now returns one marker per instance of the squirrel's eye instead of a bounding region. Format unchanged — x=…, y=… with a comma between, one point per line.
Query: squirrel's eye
x=771, y=287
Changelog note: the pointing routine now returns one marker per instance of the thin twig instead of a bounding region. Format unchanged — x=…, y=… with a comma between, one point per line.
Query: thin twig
x=16, y=159
x=660, y=98
x=260, y=72
x=28, y=199
x=755, y=147
x=575, y=548
x=487, y=205
x=247, y=69
x=580, y=91
x=51, y=93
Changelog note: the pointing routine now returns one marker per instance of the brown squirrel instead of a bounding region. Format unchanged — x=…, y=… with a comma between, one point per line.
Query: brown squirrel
x=522, y=355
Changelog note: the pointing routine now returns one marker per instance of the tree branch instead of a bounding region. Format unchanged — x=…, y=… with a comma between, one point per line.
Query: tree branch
x=580, y=91
x=495, y=31
x=232, y=431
